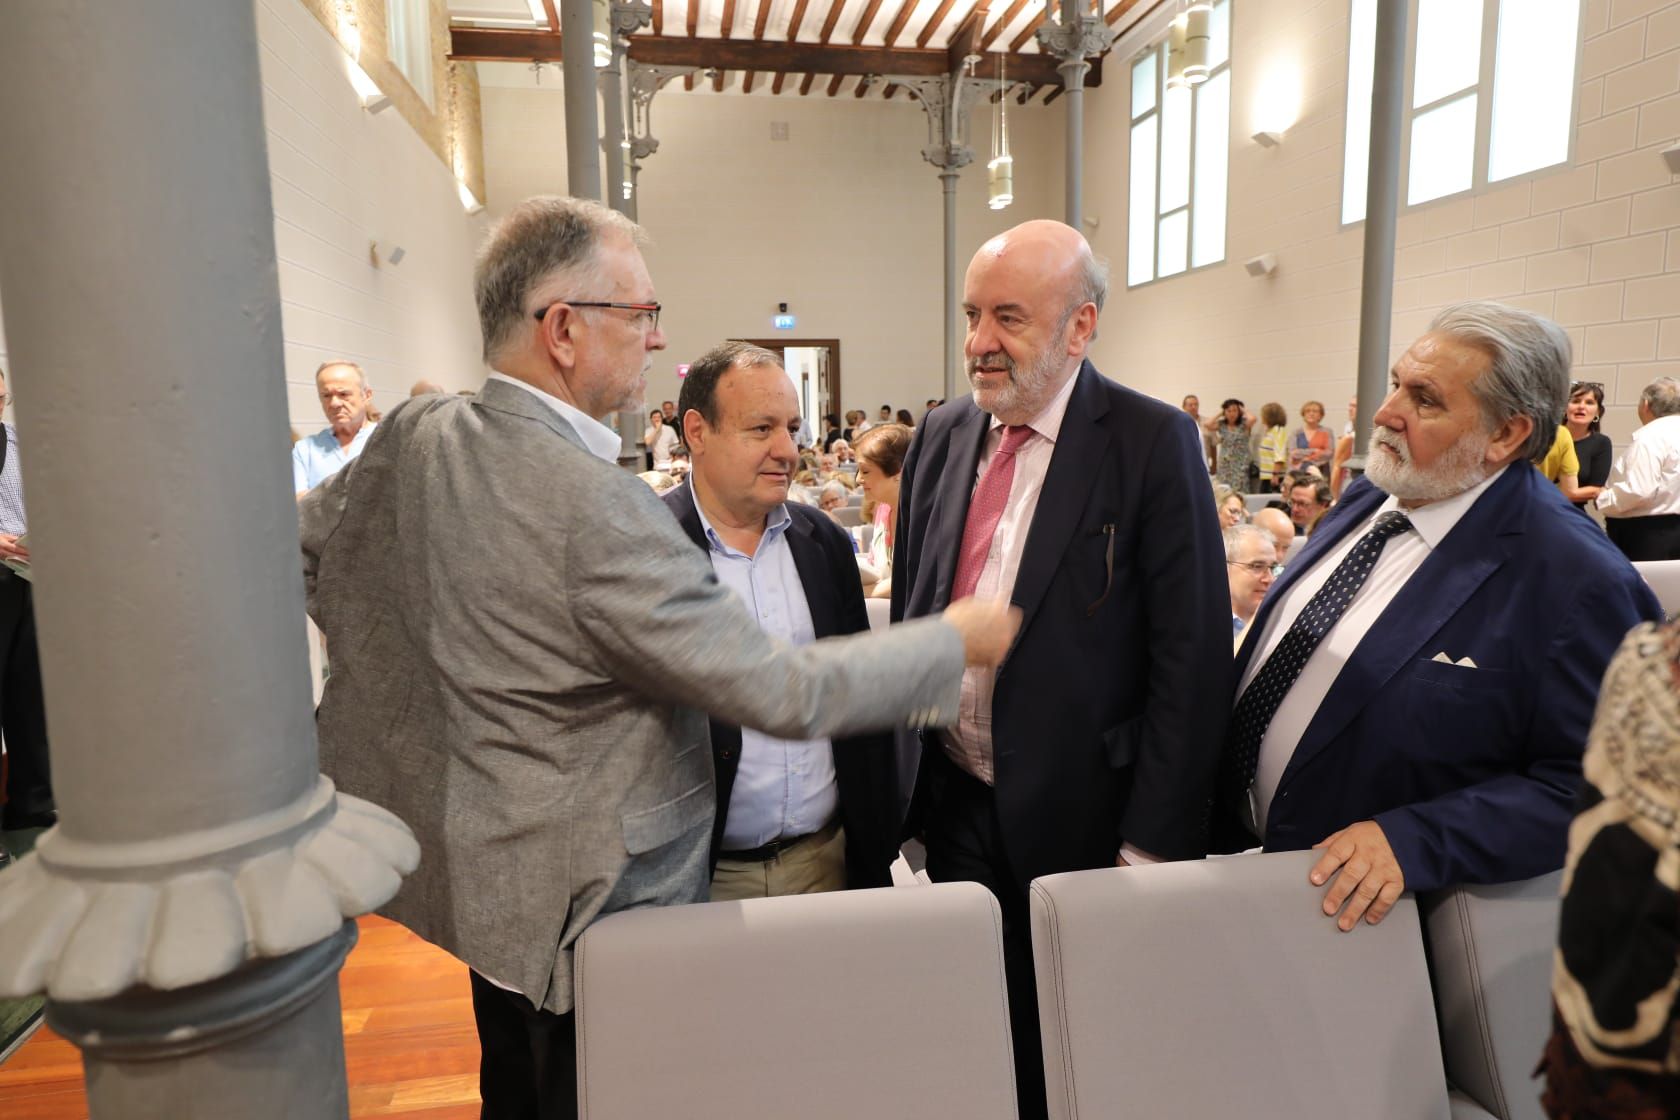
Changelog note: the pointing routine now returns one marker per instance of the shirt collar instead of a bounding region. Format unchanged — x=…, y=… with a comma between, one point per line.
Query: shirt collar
x=330, y=441
x=774, y=525
x=600, y=440
x=1434, y=521
x=1048, y=422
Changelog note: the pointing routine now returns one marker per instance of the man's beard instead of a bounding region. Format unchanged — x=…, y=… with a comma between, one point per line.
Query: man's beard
x=1028, y=390
x=1461, y=467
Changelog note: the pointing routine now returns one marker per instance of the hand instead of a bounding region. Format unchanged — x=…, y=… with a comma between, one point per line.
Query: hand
x=11, y=550
x=987, y=627
x=1370, y=874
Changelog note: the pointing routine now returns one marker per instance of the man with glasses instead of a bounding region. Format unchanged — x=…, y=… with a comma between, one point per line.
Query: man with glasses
x=1250, y=564
x=23, y=714
x=524, y=644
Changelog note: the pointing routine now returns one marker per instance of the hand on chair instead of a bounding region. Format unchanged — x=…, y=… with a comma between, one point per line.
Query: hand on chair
x=1370, y=881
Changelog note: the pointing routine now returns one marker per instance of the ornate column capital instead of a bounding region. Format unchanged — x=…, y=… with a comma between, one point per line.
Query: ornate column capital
x=1073, y=43
x=946, y=100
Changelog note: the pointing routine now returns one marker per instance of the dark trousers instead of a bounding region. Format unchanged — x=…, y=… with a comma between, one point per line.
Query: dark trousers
x=1646, y=538
x=965, y=843
x=23, y=713
x=527, y=1067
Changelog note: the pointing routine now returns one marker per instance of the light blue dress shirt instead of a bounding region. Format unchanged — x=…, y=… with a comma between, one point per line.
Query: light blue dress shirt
x=318, y=457
x=783, y=788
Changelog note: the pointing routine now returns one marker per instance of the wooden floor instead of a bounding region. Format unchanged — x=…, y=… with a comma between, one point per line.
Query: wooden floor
x=409, y=1041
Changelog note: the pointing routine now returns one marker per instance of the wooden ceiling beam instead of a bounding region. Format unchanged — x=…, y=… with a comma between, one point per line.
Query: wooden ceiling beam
x=693, y=17
x=776, y=86
x=1029, y=32
x=965, y=40
x=763, y=19
x=798, y=18
x=1055, y=93
x=906, y=9
x=835, y=7
x=1118, y=12
x=864, y=22
x=553, y=16
x=834, y=84
x=1009, y=16
x=934, y=22
x=483, y=44
x=728, y=18
x=805, y=85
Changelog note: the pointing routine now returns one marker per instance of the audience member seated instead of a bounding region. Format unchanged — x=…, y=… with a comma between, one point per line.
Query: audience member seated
x=843, y=453
x=831, y=431
x=880, y=459
x=1274, y=447
x=1614, y=1053
x=1251, y=564
x=1310, y=445
x=833, y=495
x=1282, y=530
x=1641, y=501
x=1229, y=503
x=1592, y=447
x=346, y=401
x=422, y=387
x=658, y=480
x=1309, y=501
x=1416, y=695
x=794, y=817
x=905, y=418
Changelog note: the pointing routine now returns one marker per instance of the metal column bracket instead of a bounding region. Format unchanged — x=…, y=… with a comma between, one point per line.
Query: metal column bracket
x=1075, y=39
x=946, y=100
x=645, y=81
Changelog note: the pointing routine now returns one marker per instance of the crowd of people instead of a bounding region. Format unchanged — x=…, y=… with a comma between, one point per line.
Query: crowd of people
x=620, y=698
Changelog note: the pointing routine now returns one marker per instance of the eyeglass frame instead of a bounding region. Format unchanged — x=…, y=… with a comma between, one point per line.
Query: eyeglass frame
x=1275, y=569
x=645, y=308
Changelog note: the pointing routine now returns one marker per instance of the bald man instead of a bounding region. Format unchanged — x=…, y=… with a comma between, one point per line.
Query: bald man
x=1277, y=523
x=1084, y=503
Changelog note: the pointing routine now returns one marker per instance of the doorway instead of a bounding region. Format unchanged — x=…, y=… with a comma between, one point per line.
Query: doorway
x=813, y=365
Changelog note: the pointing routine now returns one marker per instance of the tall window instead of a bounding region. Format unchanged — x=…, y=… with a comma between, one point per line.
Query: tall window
x=1492, y=94
x=1181, y=138
x=411, y=43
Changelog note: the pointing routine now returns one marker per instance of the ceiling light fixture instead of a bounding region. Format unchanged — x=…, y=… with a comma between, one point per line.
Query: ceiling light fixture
x=1000, y=172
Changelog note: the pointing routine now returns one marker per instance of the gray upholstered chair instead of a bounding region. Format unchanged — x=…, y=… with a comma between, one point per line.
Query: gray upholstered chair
x=1218, y=988
x=878, y=1003
x=1664, y=578
x=1490, y=959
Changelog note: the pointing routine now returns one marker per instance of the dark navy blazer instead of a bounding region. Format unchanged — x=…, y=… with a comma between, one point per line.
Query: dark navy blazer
x=1108, y=714
x=1471, y=772
x=865, y=766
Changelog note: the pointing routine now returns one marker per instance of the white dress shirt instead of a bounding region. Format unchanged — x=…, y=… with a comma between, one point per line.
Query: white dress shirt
x=784, y=788
x=969, y=741
x=1645, y=481
x=600, y=440
x=1400, y=559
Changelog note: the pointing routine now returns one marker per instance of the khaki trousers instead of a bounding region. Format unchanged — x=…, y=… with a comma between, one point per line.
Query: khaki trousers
x=816, y=863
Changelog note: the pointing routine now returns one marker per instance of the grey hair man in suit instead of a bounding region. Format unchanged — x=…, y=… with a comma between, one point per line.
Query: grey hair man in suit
x=523, y=644
x=794, y=817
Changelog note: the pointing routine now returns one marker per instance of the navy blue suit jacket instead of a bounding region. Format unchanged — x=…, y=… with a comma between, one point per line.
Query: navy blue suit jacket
x=1107, y=717
x=1471, y=772
x=865, y=766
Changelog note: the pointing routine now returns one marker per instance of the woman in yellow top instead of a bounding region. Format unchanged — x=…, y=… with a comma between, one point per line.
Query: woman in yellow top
x=1560, y=464
x=1274, y=447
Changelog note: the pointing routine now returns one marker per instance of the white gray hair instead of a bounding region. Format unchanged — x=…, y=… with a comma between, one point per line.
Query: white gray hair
x=1242, y=531
x=1528, y=370
x=1662, y=397
x=543, y=238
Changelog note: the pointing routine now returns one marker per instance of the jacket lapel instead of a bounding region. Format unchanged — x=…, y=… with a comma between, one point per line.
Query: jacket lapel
x=950, y=503
x=502, y=397
x=1427, y=601
x=1074, y=465
x=814, y=575
x=681, y=502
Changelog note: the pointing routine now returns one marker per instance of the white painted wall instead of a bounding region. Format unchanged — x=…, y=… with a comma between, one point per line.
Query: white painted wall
x=842, y=221
x=343, y=177
x=1593, y=243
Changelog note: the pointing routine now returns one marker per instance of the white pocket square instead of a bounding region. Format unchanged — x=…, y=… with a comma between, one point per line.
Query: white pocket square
x=1462, y=663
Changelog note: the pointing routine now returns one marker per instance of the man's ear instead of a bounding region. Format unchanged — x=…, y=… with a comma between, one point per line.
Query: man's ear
x=1081, y=329
x=693, y=428
x=557, y=328
x=1508, y=439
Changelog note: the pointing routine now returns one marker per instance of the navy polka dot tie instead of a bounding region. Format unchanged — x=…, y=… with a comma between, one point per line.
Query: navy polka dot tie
x=1272, y=683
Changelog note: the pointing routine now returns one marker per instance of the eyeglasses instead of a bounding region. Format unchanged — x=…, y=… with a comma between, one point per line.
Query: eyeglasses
x=649, y=311
x=1258, y=567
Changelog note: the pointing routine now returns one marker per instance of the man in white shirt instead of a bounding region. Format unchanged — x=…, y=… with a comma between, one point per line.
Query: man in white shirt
x=1641, y=500
x=345, y=400
x=1251, y=563
x=1415, y=694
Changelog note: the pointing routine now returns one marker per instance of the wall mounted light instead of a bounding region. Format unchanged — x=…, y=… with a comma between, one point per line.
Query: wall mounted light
x=1263, y=265
x=1268, y=139
x=468, y=201
x=1277, y=97
x=386, y=252
x=1671, y=156
x=1175, y=53
x=1197, y=40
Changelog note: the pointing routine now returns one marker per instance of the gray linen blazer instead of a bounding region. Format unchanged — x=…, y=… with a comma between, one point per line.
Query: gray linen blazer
x=523, y=648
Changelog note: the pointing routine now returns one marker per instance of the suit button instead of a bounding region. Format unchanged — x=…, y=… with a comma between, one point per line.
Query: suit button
x=727, y=753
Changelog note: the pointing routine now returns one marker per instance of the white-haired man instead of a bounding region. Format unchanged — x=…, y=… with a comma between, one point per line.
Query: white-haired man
x=524, y=641
x=1251, y=564
x=1414, y=698
x=1641, y=498
x=345, y=400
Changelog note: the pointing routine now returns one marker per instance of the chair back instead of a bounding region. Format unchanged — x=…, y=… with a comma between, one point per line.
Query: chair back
x=1182, y=991
x=1490, y=958
x=823, y=1007
x=1664, y=578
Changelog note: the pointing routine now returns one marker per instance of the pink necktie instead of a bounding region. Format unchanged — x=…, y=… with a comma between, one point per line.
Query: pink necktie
x=985, y=510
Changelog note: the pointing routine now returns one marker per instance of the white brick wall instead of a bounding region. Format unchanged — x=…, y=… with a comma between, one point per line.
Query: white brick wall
x=1593, y=244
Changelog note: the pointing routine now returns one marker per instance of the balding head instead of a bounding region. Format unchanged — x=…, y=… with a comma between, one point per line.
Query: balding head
x=1277, y=523
x=422, y=387
x=1032, y=296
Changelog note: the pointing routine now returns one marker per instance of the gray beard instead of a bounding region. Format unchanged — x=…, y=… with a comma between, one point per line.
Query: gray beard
x=1461, y=468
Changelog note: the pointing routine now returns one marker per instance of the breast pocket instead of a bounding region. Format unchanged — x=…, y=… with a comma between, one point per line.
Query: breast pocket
x=1460, y=712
